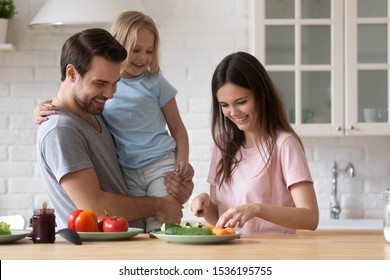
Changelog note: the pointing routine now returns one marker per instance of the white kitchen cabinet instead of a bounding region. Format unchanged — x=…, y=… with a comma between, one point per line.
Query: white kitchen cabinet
x=330, y=60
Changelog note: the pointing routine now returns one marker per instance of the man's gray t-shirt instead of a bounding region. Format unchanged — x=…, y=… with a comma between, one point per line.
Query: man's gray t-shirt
x=66, y=143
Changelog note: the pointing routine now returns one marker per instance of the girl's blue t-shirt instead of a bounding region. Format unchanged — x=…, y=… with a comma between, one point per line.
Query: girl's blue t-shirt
x=135, y=118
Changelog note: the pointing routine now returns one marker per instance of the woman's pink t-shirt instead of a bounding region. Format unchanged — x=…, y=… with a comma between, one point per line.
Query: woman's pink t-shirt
x=251, y=183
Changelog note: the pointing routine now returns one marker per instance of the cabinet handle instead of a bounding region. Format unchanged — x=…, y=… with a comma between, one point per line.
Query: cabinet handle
x=338, y=128
x=351, y=127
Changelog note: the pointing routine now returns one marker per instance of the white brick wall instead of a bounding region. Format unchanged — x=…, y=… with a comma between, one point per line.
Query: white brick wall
x=195, y=36
x=359, y=195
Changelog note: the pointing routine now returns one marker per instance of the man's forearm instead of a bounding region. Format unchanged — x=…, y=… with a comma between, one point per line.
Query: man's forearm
x=130, y=207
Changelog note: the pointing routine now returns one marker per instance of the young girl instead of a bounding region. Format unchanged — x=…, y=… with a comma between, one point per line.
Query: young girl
x=142, y=107
x=259, y=177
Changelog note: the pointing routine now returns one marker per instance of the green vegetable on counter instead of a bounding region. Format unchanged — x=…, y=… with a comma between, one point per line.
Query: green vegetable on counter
x=166, y=226
x=4, y=228
x=188, y=231
x=185, y=228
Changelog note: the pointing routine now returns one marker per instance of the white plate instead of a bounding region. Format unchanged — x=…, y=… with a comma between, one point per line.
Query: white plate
x=96, y=236
x=196, y=239
x=14, y=236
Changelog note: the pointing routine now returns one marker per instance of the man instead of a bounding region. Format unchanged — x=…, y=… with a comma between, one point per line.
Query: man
x=76, y=152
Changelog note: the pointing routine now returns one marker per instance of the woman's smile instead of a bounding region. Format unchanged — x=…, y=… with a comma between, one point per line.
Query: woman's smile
x=239, y=120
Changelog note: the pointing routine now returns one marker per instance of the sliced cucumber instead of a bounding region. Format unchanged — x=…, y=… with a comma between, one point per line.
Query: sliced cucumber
x=188, y=231
x=166, y=226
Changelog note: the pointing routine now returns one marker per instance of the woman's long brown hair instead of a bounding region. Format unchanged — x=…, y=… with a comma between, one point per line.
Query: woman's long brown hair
x=244, y=70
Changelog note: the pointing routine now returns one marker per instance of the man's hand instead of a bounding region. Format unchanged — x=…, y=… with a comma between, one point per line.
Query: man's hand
x=176, y=186
x=170, y=212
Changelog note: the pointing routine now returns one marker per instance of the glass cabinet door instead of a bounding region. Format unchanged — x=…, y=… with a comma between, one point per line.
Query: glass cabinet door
x=368, y=27
x=300, y=52
x=330, y=60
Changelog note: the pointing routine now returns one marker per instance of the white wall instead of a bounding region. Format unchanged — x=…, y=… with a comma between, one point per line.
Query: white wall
x=195, y=36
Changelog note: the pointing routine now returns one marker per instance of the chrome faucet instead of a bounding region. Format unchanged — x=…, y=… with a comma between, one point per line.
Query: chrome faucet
x=335, y=209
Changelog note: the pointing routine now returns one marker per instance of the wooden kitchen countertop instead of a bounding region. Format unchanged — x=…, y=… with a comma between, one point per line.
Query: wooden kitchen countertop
x=305, y=245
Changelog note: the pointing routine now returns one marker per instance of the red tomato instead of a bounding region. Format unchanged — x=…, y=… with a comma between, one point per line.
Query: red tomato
x=83, y=221
x=114, y=224
x=101, y=220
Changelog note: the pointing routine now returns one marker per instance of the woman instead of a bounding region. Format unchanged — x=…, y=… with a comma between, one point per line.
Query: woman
x=259, y=176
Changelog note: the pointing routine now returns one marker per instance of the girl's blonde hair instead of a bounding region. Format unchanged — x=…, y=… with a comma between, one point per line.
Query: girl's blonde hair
x=125, y=29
